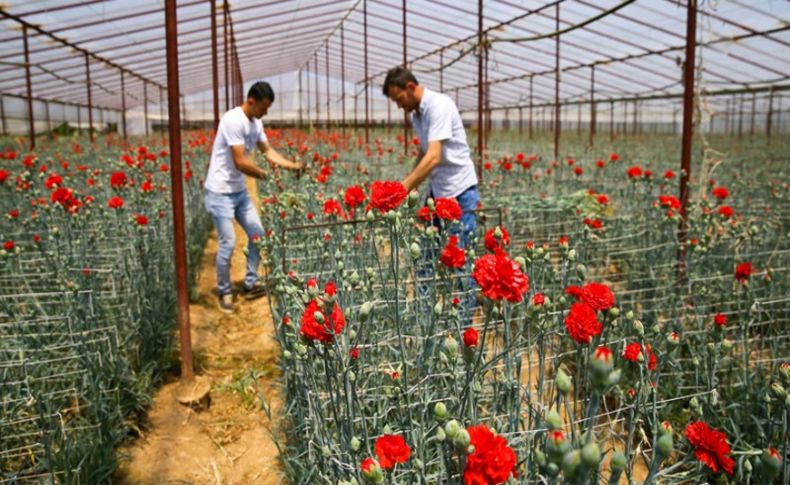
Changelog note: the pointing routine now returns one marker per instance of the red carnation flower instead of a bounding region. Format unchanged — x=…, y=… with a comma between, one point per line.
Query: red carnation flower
x=470, y=337
x=743, y=271
x=448, y=209
x=634, y=172
x=669, y=201
x=492, y=461
x=538, y=299
x=669, y=174
x=600, y=163
x=720, y=193
x=597, y=296
x=575, y=291
x=720, y=319
x=118, y=180
x=332, y=207
x=322, y=332
x=492, y=243
x=141, y=220
x=53, y=181
x=9, y=245
x=711, y=446
x=4, y=174
x=582, y=323
x=115, y=202
x=614, y=157
x=452, y=256
x=388, y=195
x=634, y=350
x=424, y=213
x=391, y=449
x=726, y=211
x=354, y=196
x=500, y=277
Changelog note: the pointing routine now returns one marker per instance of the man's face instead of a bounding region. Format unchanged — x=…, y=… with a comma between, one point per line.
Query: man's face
x=405, y=98
x=259, y=108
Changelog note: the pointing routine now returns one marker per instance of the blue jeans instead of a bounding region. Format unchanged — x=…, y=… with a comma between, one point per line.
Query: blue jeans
x=223, y=208
x=468, y=200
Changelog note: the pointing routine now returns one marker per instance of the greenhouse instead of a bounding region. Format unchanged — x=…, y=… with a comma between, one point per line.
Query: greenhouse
x=379, y=242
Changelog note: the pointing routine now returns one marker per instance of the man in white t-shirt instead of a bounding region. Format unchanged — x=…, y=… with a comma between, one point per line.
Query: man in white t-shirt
x=444, y=157
x=225, y=192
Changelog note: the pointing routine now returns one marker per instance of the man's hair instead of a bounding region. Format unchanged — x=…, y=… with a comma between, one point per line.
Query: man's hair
x=398, y=76
x=261, y=90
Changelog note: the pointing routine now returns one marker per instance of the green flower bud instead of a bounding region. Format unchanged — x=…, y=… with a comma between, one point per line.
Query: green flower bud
x=365, y=309
x=540, y=458
x=451, y=346
x=778, y=391
x=440, y=434
x=413, y=196
x=371, y=471
x=461, y=440
x=639, y=328
x=614, y=312
x=552, y=470
x=562, y=381
x=572, y=257
x=614, y=377
x=665, y=445
x=591, y=455
x=618, y=461
x=726, y=345
x=440, y=411
x=771, y=463
x=415, y=250
x=354, y=278
x=629, y=315
x=355, y=443
x=553, y=420
x=452, y=428
x=352, y=376
x=341, y=265
x=369, y=216
x=570, y=463
x=326, y=451
x=319, y=317
x=437, y=309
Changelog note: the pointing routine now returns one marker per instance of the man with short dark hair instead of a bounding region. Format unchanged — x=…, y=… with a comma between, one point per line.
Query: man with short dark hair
x=226, y=198
x=443, y=159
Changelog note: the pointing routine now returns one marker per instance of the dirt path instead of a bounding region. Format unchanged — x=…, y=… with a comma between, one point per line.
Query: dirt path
x=229, y=443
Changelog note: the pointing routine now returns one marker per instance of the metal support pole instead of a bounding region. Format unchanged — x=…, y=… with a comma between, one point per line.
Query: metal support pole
x=531, y=77
x=79, y=119
x=123, y=104
x=769, y=120
x=328, y=106
x=728, y=119
x=592, y=105
x=740, y=117
x=688, y=132
x=520, y=121
x=480, y=128
x=557, y=123
x=578, y=119
x=161, y=109
x=176, y=179
x=405, y=66
x=90, y=101
x=214, y=64
x=441, y=71
x=299, y=99
x=145, y=106
x=49, y=121
x=343, y=78
x=30, y=118
x=751, y=121
x=486, y=97
x=367, y=81
x=2, y=115
x=308, y=111
x=225, y=57
x=635, y=114
x=317, y=93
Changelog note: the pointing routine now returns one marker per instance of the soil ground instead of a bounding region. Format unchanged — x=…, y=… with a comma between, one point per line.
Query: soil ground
x=230, y=442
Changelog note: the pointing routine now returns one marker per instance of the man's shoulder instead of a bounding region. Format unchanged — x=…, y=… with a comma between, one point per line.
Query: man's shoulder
x=440, y=101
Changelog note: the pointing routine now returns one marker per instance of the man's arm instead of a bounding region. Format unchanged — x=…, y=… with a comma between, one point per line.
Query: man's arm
x=244, y=164
x=274, y=156
x=425, y=166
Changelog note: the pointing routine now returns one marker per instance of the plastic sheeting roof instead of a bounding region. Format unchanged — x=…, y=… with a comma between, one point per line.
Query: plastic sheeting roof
x=638, y=49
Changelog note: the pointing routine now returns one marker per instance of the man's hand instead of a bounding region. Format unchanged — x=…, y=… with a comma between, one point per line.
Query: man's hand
x=425, y=166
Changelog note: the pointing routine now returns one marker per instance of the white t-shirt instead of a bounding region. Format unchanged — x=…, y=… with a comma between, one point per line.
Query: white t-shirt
x=439, y=120
x=234, y=129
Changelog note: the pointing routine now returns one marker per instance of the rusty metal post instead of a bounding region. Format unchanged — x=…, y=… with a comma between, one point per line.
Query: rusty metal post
x=367, y=81
x=30, y=118
x=405, y=66
x=557, y=122
x=225, y=56
x=145, y=106
x=176, y=179
x=592, y=105
x=161, y=109
x=214, y=64
x=123, y=104
x=531, y=76
x=674, y=121
x=480, y=47
x=688, y=132
x=90, y=101
x=486, y=96
x=769, y=120
x=343, y=79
